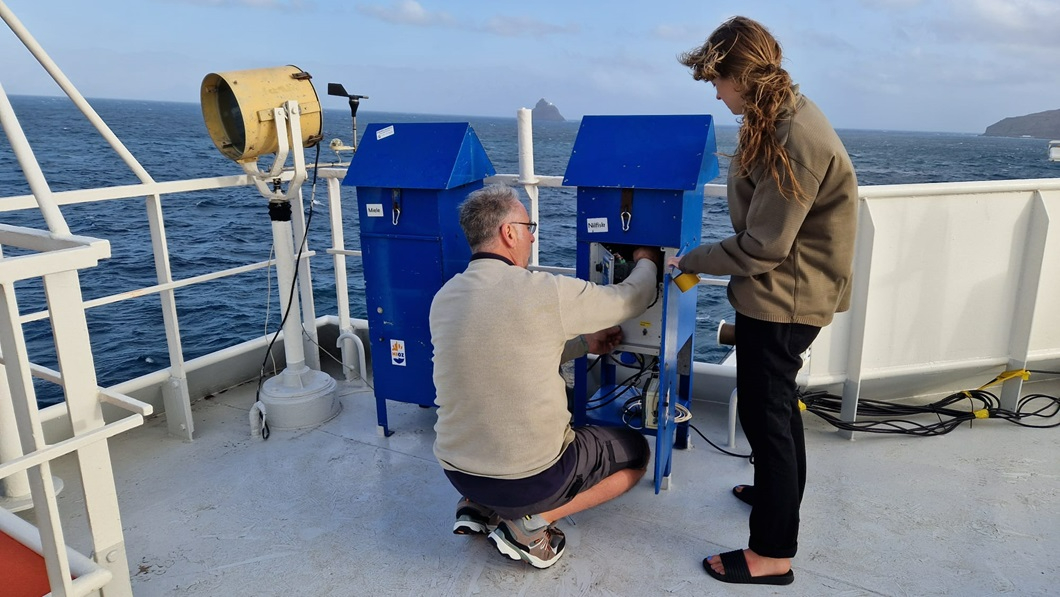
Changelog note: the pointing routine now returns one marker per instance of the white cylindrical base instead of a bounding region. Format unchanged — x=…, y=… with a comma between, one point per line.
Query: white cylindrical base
x=18, y=503
x=301, y=399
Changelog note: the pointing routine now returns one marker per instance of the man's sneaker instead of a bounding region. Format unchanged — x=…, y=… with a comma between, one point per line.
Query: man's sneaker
x=540, y=547
x=474, y=519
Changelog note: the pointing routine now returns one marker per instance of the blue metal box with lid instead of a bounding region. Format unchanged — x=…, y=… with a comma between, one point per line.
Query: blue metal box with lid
x=410, y=180
x=640, y=183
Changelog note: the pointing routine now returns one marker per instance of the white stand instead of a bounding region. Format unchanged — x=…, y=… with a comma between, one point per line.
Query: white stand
x=298, y=396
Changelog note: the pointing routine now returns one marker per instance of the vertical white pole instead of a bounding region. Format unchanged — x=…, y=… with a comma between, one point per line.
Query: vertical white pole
x=309, y=315
x=14, y=489
x=73, y=351
x=175, y=393
x=342, y=295
x=289, y=303
x=527, y=177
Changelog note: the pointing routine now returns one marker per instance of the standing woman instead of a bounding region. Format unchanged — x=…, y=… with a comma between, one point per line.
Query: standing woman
x=792, y=199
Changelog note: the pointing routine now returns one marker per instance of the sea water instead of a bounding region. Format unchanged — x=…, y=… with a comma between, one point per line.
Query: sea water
x=231, y=227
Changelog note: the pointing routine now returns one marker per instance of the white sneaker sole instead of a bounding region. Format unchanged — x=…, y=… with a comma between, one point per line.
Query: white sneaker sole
x=502, y=544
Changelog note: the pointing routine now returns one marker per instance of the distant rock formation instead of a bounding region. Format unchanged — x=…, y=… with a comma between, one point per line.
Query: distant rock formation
x=547, y=111
x=1043, y=125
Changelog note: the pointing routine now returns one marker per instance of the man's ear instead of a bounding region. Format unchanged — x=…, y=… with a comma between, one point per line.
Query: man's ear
x=508, y=236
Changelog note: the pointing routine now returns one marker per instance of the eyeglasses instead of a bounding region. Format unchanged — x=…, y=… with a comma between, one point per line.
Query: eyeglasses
x=531, y=225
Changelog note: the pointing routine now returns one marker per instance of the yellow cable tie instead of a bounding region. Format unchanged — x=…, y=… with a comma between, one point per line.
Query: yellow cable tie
x=982, y=413
x=1007, y=375
x=802, y=405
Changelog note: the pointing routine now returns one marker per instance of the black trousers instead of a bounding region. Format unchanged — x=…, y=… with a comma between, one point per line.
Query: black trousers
x=768, y=357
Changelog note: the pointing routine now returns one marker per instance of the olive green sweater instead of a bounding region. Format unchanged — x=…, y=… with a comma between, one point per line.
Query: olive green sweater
x=790, y=261
x=500, y=333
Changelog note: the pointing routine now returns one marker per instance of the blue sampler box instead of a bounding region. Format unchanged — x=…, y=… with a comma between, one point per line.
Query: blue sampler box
x=410, y=180
x=640, y=182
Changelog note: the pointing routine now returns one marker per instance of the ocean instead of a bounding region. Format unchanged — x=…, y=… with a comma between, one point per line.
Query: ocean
x=231, y=227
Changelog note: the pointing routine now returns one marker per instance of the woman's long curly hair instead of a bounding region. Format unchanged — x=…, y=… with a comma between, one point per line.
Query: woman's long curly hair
x=745, y=52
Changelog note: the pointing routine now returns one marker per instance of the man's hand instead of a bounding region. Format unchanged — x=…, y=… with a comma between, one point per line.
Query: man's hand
x=648, y=253
x=604, y=341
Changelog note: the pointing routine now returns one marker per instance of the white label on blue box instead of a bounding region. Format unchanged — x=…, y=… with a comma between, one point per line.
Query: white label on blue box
x=384, y=132
x=397, y=352
x=374, y=210
x=596, y=225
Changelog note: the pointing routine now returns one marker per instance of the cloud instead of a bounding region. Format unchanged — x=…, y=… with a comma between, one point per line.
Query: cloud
x=407, y=12
x=1011, y=23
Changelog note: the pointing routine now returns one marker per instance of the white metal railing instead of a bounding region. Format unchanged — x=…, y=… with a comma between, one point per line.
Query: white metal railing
x=951, y=281
x=25, y=456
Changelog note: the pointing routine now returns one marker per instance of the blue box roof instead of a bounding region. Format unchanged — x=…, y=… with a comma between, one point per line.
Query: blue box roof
x=669, y=152
x=419, y=155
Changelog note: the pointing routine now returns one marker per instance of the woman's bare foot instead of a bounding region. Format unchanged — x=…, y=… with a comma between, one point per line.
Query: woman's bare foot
x=756, y=564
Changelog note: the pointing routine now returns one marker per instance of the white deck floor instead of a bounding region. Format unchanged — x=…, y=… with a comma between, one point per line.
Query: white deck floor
x=338, y=510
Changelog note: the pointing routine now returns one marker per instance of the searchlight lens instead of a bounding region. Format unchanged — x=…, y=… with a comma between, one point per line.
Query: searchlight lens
x=231, y=117
x=237, y=107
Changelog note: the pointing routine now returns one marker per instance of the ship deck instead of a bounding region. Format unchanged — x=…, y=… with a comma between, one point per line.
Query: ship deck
x=338, y=510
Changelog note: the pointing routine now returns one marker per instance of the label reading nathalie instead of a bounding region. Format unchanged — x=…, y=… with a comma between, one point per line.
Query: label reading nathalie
x=397, y=353
x=596, y=225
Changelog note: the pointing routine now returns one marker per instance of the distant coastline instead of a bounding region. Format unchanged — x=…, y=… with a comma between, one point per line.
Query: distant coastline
x=1040, y=125
x=377, y=112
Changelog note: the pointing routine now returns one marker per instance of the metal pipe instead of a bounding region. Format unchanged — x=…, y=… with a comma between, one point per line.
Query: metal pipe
x=342, y=293
x=139, y=292
x=527, y=178
x=34, y=176
x=362, y=366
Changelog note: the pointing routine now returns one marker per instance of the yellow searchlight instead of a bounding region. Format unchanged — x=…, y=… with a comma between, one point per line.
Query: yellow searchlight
x=239, y=109
x=248, y=114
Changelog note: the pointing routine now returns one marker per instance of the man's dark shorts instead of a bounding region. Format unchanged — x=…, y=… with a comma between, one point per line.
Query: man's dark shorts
x=595, y=454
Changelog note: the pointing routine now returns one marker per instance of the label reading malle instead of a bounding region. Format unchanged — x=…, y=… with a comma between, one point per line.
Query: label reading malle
x=596, y=225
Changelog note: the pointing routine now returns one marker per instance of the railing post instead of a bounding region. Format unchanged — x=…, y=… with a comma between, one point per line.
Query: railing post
x=1027, y=299
x=310, y=341
x=347, y=344
x=74, y=352
x=175, y=393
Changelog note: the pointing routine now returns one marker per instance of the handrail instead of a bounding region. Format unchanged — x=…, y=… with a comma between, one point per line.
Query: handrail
x=157, y=288
x=72, y=444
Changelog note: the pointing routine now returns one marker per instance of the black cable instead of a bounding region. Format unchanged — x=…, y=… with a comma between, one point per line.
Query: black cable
x=749, y=457
x=613, y=394
x=887, y=417
x=1048, y=411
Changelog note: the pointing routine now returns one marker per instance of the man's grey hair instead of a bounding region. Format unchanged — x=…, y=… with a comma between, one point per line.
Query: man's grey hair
x=483, y=212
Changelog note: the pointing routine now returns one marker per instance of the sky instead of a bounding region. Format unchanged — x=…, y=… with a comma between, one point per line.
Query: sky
x=912, y=65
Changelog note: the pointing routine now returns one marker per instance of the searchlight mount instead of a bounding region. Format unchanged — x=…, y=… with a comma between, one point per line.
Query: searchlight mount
x=275, y=111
